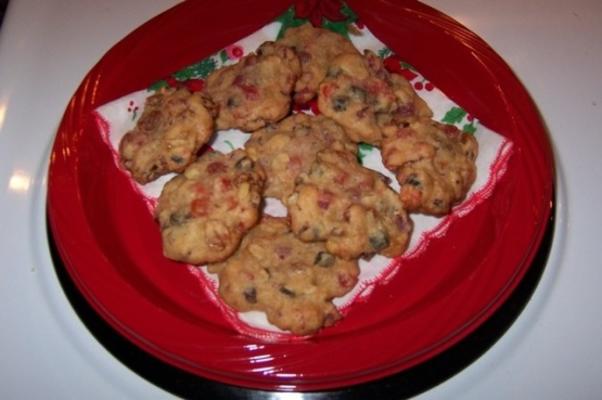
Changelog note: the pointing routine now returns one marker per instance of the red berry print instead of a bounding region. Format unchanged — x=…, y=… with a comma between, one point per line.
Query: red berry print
x=195, y=85
x=234, y=52
x=314, y=10
x=408, y=74
x=393, y=64
x=171, y=81
x=418, y=85
x=469, y=118
x=429, y=86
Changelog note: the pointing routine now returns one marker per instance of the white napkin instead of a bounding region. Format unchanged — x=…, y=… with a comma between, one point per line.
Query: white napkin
x=119, y=116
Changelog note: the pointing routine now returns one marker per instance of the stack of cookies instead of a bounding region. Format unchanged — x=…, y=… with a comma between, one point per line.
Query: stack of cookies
x=292, y=267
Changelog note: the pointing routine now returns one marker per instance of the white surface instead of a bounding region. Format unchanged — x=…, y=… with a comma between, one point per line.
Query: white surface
x=553, y=351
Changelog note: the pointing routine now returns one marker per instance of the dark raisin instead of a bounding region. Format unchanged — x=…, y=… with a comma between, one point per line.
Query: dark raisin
x=339, y=103
x=333, y=72
x=245, y=164
x=379, y=240
x=316, y=170
x=250, y=295
x=324, y=259
x=177, y=159
x=286, y=291
x=265, y=46
x=177, y=218
x=413, y=180
x=232, y=102
x=438, y=203
x=358, y=93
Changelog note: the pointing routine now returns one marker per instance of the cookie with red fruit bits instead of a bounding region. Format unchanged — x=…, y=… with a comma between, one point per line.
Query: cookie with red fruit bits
x=204, y=212
x=291, y=281
x=316, y=48
x=288, y=148
x=362, y=96
x=257, y=90
x=174, y=125
x=434, y=164
x=349, y=207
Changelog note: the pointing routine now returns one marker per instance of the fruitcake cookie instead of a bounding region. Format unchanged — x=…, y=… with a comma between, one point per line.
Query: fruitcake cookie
x=362, y=96
x=287, y=149
x=434, y=164
x=204, y=213
x=255, y=91
x=291, y=281
x=171, y=130
x=316, y=48
x=350, y=207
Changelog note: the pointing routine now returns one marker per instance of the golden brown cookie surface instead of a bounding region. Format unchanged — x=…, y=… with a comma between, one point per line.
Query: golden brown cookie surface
x=255, y=91
x=434, y=164
x=316, y=48
x=349, y=207
x=171, y=130
x=287, y=149
x=291, y=281
x=366, y=99
x=204, y=213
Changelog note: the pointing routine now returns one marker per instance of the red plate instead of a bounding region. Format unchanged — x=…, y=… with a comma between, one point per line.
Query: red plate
x=111, y=245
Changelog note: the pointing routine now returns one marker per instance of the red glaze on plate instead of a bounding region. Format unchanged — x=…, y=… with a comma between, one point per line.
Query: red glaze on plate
x=111, y=245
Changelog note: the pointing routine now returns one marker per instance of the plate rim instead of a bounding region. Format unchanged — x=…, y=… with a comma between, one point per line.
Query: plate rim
x=57, y=215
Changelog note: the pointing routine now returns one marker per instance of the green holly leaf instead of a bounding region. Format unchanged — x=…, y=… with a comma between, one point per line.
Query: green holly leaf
x=384, y=52
x=363, y=150
x=288, y=20
x=158, y=85
x=341, y=27
x=407, y=66
x=454, y=115
x=469, y=128
x=338, y=27
x=351, y=16
x=199, y=70
x=184, y=74
x=223, y=56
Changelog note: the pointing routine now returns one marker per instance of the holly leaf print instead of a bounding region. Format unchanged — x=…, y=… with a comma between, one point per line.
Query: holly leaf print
x=363, y=150
x=198, y=70
x=338, y=27
x=454, y=115
x=384, y=52
x=223, y=56
x=288, y=20
x=407, y=66
x=469, y=128
x=341, y=27
x=158, y=85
